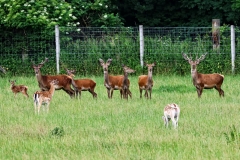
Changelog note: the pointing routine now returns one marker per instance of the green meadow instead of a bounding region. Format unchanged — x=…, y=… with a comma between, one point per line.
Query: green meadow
x=116, y=128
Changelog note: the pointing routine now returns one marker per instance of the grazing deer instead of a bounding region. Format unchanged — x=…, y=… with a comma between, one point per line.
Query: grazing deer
x=64, y=81
x=44, y=97
x=145, y=82
x=171, y=112
x=18, y=88
x=125, y=84
x=82, y=84
x=204, y=81
x=112, y=82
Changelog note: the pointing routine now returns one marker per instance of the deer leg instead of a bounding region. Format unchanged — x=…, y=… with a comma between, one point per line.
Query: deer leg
x=140, y=92
x=111, y=93
x=93, y=93
x=221, y=92
x=146, y=93
x=129, y=93
x=47, y=106
x=150, y=93
x=80, y=93
x=121, y=93
x=108, y=92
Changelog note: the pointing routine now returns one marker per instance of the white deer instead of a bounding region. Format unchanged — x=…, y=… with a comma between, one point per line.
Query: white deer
x=171, y=112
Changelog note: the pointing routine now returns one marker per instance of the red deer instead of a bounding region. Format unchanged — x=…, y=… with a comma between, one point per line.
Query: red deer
x=145, y=82
x=125, y=83
x=18, y=88
x=44, y=97
x=112, y=82
x=64, y=81
x=171, y=112
x=82, y=84
x=204, y=81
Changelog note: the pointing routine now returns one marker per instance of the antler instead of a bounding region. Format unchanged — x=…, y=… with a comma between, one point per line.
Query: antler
x=42, y=63
x=202, y=57
x=186, y=57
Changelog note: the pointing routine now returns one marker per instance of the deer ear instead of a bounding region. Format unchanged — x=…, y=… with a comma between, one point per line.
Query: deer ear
x=109, y=61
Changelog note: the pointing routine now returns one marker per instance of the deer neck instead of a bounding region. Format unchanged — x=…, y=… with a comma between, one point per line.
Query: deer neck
x=194, y=75
x=39, y=77
x=106, y=78
x=149, y=80
x=52, y=90
x=125, y=79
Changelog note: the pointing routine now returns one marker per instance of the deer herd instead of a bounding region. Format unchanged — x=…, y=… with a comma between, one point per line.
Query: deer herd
x=49, y=83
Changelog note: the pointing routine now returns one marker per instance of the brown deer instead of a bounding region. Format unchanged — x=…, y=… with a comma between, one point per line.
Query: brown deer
x=18, y=88
x=125, y=84
x=145, y=82
x=112, y=82
x=204, y=81
x=171, y=112
x=82, y=84
x=64, y=81
x=44, y=97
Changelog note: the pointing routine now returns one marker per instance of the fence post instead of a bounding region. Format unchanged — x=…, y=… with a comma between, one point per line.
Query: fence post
x=216, y=33
x=141, y=44
x=57, y=47
x=233, y=48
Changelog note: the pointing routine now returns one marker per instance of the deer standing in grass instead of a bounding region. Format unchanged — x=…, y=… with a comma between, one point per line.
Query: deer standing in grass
x=145, y=82
x=18, y=88
x=171, y=112
x=112, y=82
x=44, y=97
x=64, y=81
x=125, y=85
x=82, y=84
x=204, y=81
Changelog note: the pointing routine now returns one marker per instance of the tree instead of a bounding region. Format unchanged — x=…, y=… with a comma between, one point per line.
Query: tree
x=95, y=13
x=35, y=13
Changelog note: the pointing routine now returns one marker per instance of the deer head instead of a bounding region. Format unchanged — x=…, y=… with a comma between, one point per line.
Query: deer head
x=37, y=67
x=105, y=65
x=70, y=72
x=192, y=62
x=127, y=69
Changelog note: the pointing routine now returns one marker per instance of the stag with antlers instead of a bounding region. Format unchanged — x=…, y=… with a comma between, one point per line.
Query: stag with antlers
x=204, y=81
x=64, y=81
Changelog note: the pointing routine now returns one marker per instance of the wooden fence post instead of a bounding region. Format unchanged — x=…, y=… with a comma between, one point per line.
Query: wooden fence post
x=216, y=33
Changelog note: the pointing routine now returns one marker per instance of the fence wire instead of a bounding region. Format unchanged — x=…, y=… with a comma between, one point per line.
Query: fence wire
x=80, y=48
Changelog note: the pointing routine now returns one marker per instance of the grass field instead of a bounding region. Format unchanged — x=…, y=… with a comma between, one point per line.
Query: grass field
x=105, y=128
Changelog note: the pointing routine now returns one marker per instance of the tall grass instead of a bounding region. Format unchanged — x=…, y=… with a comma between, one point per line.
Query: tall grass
x=119, y=129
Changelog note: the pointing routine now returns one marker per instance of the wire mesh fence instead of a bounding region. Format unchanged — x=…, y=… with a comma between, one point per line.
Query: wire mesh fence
x=80, y=49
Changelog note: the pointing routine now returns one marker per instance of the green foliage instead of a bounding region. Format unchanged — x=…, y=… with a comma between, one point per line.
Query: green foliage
x=34, y=13
x=97, y=13
x=57, y=132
